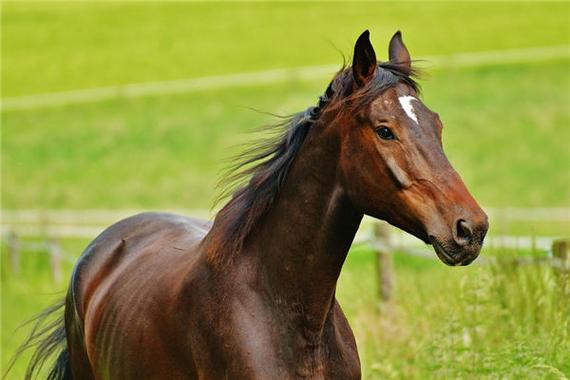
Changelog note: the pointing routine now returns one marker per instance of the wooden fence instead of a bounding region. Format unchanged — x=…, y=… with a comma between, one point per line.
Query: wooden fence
x=558, y=258
x=380, y=239
x=54, y=225
x=51, y=246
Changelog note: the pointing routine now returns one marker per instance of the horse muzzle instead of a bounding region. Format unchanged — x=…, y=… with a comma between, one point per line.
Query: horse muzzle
x=464, y=244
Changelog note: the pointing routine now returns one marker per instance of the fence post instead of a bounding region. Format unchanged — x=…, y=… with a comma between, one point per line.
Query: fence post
x=561, y=254
x=384, y=261
x=54, y=251
x=14, y=250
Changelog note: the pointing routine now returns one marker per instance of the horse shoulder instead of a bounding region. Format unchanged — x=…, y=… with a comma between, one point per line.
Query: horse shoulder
x=229, y=325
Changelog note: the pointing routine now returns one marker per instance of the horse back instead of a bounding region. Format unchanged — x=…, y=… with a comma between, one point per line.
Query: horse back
x=123, y=284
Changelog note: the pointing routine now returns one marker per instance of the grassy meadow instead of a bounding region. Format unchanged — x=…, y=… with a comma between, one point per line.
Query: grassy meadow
x=506, y=131
x=499, y=321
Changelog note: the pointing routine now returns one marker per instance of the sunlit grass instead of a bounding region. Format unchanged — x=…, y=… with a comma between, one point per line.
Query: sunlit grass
x=166, y=152
x=501, y=320
x=123, y=42
x=495, y=321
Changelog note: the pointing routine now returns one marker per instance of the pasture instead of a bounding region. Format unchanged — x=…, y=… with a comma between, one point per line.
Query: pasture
x=506, y=132
x=477, y=322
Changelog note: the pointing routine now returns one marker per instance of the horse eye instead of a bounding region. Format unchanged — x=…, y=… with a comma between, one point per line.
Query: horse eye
x=385, y=133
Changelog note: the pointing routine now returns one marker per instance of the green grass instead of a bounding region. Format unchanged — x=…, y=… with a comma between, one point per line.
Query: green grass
x=25, y=295
x=479, y=322
x=60, y=46
x=505, y=131
x=505, y=125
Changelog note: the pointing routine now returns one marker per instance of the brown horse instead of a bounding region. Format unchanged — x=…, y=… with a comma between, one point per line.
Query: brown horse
x=252, y=295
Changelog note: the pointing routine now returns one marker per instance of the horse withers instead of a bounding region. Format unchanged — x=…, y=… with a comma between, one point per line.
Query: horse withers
x=252, y=294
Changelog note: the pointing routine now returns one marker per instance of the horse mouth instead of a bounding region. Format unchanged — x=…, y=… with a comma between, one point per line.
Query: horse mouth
x=447, y=257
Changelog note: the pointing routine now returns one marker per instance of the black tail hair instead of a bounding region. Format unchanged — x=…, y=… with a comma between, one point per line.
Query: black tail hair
x=48, y=338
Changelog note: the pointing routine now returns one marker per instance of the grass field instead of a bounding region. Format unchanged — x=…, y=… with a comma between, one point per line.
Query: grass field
x=60, y=46
x=479, y=322
x=505, y=127
x=506, y=132
x=90, y=156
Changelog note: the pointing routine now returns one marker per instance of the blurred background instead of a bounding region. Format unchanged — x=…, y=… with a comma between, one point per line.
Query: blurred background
x=111, y=108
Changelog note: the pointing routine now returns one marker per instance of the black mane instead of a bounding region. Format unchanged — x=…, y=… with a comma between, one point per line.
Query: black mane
x=257, y=176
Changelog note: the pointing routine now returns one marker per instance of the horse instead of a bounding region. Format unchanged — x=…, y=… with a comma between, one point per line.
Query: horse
x=251, y=295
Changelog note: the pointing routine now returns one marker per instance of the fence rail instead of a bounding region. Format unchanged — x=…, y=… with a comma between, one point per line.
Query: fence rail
x=133, y=90
x=17, y=226
x=102, y=216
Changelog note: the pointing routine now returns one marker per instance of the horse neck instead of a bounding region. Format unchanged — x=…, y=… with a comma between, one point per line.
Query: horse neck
x=301, y=243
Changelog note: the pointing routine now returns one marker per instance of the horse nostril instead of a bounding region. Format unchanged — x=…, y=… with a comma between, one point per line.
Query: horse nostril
x=464, y=232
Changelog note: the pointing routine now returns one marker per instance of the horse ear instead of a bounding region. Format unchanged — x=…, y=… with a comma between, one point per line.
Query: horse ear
x=398, y=53
x=364, y=60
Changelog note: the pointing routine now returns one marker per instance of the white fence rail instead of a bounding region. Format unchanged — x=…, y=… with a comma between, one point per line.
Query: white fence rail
x=22, y=228
x=468, y=59
x=89, y=223
x=102, y=216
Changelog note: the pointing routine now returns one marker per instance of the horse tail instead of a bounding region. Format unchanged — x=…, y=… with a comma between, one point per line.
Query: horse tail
x=48, y=338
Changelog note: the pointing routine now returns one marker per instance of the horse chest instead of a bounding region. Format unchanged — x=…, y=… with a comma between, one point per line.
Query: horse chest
x=330, y=360
x=327, y=361
x=268, y=348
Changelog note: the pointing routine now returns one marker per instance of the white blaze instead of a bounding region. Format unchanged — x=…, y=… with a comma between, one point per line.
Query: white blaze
x=406, y=103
